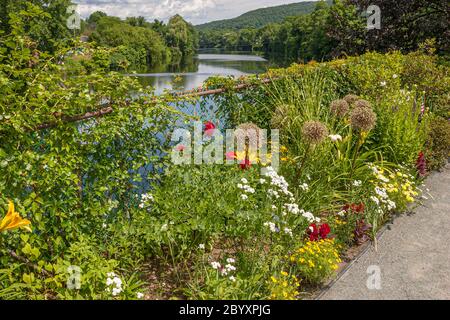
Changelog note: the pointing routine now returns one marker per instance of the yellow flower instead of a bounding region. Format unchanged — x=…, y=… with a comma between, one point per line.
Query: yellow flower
x=284, y=273
x=12, y=220
x=274, y=280
x=252, y=156
x=283, y=149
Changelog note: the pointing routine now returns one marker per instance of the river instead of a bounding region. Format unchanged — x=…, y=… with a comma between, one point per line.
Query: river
x=193, y=73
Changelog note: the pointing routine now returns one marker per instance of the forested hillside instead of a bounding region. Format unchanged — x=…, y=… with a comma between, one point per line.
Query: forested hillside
x=261, y=17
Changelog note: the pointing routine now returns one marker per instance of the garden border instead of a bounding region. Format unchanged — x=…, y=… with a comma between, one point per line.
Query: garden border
x=363, y=249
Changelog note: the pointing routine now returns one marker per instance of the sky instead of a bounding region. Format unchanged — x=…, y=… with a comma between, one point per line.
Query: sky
x=194, y=11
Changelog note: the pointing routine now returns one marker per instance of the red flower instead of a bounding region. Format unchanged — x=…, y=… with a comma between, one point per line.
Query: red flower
x=358, y=208
x=421, y=165
x=245, y=164
x=313, y=232
x=316, y=233
x=324, y=230
x=209, y=128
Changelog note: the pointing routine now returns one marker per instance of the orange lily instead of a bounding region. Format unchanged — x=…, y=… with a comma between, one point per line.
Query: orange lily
x=12, y=220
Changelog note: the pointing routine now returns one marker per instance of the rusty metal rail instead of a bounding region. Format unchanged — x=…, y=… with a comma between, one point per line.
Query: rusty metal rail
x=109, y=109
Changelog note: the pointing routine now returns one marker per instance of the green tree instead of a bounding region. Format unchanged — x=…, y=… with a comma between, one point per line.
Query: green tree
x=47, y=30
x=182, y=35
x=95, y=17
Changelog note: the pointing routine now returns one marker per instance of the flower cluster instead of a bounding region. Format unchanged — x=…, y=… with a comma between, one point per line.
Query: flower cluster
x=335, y=137
x=278, y=188
x=395, y=188
x=225, y=270
x=114, y=284
x=309, y=216
x=357, y=183
x=279, y=182
x=284, y=287
x=316, y=260
x=272, y=226
x=245, y=188
x=318, y=232
x=146, y=198
x=304, y=186
x=421, y=165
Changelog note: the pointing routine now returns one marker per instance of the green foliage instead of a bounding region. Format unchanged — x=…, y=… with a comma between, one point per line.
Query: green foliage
x=438, y=143
x=46, y=24
x=329, y=30
x=73, y=179
x=139, y=43
x=84, y=157
x=140, y=46
x=404, y=26
x=182, y=35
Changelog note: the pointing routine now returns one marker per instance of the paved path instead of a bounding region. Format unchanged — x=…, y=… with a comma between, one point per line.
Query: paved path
x=413, y=254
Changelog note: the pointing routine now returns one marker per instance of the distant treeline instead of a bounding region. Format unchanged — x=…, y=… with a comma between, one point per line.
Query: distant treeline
x=141, y=43
x=339, y=29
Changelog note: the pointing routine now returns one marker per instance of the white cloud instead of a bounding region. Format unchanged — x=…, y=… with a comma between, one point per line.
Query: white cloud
x=195, y=11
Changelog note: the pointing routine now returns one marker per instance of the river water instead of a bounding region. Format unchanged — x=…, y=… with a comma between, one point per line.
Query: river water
x=193, y=73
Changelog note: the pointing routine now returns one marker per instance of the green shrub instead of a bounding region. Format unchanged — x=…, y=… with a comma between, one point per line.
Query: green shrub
x=438, y=143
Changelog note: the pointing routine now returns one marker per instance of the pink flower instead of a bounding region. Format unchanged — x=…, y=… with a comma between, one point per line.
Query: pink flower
x=180, y=147
x=231, y=155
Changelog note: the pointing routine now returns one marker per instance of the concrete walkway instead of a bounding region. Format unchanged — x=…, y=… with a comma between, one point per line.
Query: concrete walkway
x=413, y=254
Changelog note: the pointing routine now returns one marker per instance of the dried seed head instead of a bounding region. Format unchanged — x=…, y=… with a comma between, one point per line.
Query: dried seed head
x=363, y=118
x=247, y=134
x=339, y=108
x=362, y=104
x=351, y=99
x=314, y=132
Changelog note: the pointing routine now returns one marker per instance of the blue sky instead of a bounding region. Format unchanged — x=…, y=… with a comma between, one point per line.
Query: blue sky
x=195, y=11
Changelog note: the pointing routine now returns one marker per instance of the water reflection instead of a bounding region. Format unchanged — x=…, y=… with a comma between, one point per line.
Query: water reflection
x=191, y=74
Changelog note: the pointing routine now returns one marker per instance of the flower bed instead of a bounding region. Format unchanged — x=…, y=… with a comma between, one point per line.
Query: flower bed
x=113, y=218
